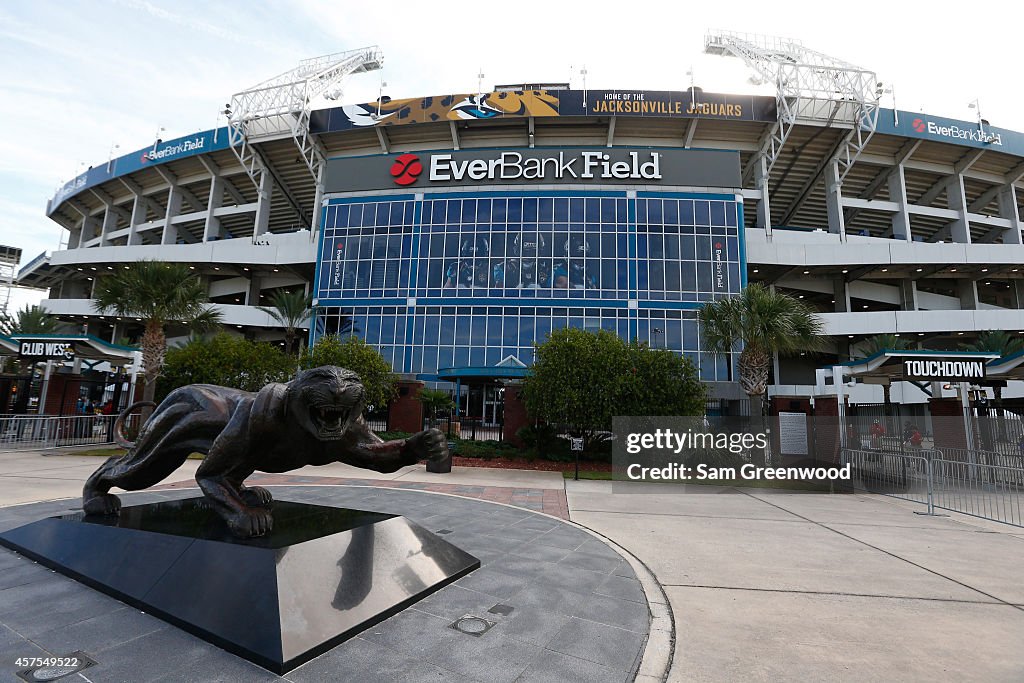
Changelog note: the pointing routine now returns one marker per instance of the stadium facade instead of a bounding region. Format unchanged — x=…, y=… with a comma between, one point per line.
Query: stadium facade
x=453, y=231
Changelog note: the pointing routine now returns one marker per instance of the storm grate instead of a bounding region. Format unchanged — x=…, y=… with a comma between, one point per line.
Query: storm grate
x=472, y=625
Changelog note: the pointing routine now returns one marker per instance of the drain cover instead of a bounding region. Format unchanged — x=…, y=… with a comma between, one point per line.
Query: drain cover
x=472, y=625
x=56, y=667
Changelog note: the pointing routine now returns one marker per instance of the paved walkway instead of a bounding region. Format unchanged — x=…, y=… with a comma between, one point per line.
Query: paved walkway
x=562, y=606
x=774, y=586
x=764, y=585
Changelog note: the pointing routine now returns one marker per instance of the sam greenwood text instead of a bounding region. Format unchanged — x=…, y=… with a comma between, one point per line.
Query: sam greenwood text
x=703, y=472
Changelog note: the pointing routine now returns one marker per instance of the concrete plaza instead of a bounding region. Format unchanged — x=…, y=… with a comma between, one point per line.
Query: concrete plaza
x=762, y=584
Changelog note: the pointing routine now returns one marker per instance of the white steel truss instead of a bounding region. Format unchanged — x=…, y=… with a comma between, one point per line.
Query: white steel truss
x=10, y=257
x=810, y=87
x=282, y=106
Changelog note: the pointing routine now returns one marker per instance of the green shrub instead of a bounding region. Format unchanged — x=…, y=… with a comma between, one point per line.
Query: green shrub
x=225, y=360
x=583, y=379
x=394, y=436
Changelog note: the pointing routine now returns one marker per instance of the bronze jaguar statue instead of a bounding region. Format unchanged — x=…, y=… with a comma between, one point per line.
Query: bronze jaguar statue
x=314, y=419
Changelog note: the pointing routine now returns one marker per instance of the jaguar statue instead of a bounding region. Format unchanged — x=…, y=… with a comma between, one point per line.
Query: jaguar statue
x=314, y=419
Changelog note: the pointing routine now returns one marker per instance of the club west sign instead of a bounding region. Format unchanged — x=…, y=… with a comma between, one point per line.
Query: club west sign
x=46, y=350
x=605, y=166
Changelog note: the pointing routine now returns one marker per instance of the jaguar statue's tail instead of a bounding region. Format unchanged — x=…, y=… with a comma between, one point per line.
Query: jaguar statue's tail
x=119, y=438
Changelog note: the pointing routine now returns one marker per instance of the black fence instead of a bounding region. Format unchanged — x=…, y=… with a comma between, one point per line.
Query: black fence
x=467, y=428
x=998, y=430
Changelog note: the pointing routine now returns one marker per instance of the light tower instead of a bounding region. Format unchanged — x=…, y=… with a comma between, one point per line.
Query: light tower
x=10, y=257
x=811, y=87
x=281, y=105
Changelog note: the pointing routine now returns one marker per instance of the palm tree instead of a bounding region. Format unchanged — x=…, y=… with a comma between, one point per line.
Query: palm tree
x=996, y=341
x=29, y=320
x=883, y=342
x=159, y=293
x=290, y=310
x=765, y=323
x=1005, y=344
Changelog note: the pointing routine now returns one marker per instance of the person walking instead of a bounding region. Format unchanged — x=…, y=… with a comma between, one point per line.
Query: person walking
x=877, y=432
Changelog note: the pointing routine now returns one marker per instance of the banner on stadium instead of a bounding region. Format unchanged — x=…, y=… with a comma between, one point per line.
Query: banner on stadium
x=685, y=104
x=940, y=129
x=159, y=152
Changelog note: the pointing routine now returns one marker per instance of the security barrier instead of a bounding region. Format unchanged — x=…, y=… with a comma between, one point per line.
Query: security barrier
x=33, y=432
x=982, y=484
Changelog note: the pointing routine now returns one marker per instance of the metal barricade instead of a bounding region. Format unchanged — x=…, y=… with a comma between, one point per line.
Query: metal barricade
x=35, y=432
x=904, y=475
x=976, y=487
x=984, y=484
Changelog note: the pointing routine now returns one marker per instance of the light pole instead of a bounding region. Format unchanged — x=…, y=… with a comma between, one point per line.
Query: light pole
x=110, y=155
x=656, y=331
x=974, y=104
x=880, y=90
x=157, y=141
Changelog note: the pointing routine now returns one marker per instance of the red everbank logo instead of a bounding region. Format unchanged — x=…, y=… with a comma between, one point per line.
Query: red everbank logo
x=406, y=169
x=952, y=130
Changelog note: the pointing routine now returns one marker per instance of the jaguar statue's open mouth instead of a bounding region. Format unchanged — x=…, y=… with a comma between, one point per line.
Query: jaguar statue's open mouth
x=330, y=421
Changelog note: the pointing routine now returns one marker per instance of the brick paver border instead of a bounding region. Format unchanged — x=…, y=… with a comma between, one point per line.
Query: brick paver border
x=549, y=501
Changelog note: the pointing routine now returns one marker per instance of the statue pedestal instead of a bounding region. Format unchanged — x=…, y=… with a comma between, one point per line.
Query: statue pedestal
x=320, y=577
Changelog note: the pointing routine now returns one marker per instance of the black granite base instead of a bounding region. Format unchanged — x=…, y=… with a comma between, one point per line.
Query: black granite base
x=322, y=576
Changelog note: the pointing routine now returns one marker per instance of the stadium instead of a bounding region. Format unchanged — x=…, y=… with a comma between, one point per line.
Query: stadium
x=452, y=231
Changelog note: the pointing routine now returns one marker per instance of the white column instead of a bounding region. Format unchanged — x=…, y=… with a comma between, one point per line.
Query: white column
x=75, y=235
x=960, y=230
x=764, y=214
x=318, y=198
x=967, y=290
x=108, y=225
x=262, y=221
x=170, y=235
x=211, y=230
x=908, y=294
x=898, y=193
x=834, y=200
x=1008, y=210
x=137, y=219
x=841, y=292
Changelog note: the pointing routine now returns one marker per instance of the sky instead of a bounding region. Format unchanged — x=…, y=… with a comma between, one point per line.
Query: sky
x=78, y=78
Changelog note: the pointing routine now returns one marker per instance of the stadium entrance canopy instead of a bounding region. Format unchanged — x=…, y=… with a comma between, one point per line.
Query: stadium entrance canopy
x=8, y=347
x=58, y=350
x=67, y=347
x=509, y=369
x=890, y=366
x=1007, y=368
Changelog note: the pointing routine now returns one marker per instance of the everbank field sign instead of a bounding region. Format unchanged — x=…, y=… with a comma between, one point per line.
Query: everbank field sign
x=668, y=167
x=513, y=166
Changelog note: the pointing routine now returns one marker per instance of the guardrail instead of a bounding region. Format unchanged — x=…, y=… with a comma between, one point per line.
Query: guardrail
x=900, y=475
x=32, y=432
x=982, y=484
